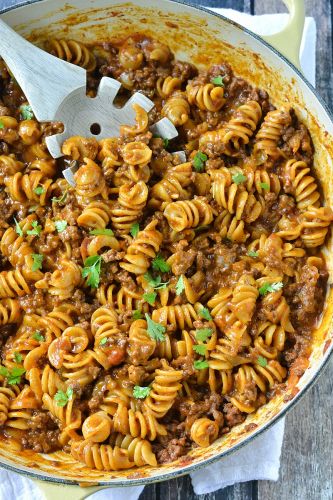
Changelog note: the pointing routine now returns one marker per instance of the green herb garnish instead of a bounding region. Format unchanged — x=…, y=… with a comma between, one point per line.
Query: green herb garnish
x=103, y=341
x=2, y=125
x=264, y=185
x=200, y=349
x=36, y=229
x=37, y=261
x=180, y=285
x=239, y=178
x=62, y=398
x=203, y=334
x=13, y=376
x=159, y=264
x=38, y=336
x=92, y=270
x=262, y=361
x=26, y=112
x=253, y=254
x=155, y=330
x=39, y=190
x=18, y=228
x=270, y=287
x=60, y=199
x=150, y=297
x=135, y=228
x=200, y=364
x=137, y=314
x=199, y=161
x=18, y=357
x=218, y=80
x=155, y=282
x=165, y=143
x=204, y=313
x=141, y=392
x=60, y=225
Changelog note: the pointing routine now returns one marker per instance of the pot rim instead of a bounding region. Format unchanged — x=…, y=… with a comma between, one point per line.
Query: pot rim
x=291, y=404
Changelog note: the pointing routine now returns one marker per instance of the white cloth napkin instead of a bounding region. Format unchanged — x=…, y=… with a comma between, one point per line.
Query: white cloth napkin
x=260, y=459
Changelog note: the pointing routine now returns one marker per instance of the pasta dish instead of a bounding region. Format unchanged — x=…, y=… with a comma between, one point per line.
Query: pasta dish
x=153, y=306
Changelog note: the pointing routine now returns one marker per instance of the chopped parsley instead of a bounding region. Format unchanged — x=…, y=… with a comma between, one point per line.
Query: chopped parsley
x=13, y=376
x=92, y=270
x=38, y=336
x=180, y=285
x=203, y=334
x=253, y=254
x=61, y=398
x=200, y=349
x=201, y=364
x=262, y=361
x=204, y=313
x=239, y=178
x=36, y=229
x=39, y=190
x=264, y=185
x=199, y=161
x=270, y=287
x=159, y=264
x=60, y=225
x=150, y=297
x=218, y=80
x=104, y=232
x=137, y=314
x=141, y=392
x=155, y=330
x=18, y=228
x=155, y=282
x=18, y=357
x=26, y=112
x=37, y=261
x=135, y=228
x=103, y=341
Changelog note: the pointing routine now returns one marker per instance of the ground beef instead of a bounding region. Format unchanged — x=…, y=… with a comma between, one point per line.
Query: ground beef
x=232, y=415
x=174, y=449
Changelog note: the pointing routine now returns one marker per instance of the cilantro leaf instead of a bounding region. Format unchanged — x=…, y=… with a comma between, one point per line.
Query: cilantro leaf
x=270, y=287
x=159, y=264
x=200, y=364
x=61, y=398
x=199, y=161
x=218, y=80
x=13, y=376
x=37, y=261
x=150, y=297
x=103, y=341
x=239, y=178
x=200, y=349
x=92, y=270
x=18, y=357
x=38, y=336
x=2, y=125
x=165, y=143
x=262, y=361
x=104, y=232
x=253, y=254
x=18, y=228
x=36, y=229
x=203, y=334
x=60, y=225
x=180, y=285
x=264, y=185
x=135, y=228
x=155, y=330
x=141, y=392
x=204, y=313
x=26, y=112
x=39, y=190
x=155, y=282
x=61, y=198
x=137, y=314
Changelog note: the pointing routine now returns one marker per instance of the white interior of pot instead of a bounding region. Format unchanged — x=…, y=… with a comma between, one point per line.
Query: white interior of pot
x=189, y=34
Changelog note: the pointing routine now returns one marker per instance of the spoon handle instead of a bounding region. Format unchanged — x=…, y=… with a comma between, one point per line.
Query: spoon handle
x=44, y=79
